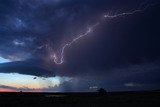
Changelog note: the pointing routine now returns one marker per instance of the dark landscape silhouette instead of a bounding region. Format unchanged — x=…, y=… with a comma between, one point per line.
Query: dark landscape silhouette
x=80, y=99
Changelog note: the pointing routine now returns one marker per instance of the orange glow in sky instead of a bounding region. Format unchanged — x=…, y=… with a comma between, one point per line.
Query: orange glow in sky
x=27, y=83
x=7, y=90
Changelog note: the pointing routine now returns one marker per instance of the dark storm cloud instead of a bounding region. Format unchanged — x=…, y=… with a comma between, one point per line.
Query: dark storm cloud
x=36, y=23
x=144, y=76
x=26, y=26
x=29, y=67
x=115, y=48
x=118, y=43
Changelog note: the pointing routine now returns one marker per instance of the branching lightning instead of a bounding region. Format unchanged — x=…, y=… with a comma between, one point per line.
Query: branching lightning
x=59, y=58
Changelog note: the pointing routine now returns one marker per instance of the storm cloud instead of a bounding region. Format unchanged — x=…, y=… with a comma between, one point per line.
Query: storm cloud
x=124, y=48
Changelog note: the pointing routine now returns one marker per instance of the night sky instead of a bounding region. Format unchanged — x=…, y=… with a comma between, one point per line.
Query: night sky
x=79, y=45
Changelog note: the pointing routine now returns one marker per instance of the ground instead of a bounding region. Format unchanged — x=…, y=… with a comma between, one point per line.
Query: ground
x=110, y=99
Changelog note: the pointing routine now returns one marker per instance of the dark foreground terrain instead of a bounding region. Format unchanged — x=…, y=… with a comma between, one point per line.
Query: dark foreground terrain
x=113, y=99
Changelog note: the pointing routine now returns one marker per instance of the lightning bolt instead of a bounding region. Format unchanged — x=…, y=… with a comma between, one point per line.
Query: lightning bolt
x=55, y=57
x=107, y=16
x=59, y=58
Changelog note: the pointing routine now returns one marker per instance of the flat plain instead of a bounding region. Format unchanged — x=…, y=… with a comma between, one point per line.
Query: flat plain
x=80, y=99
